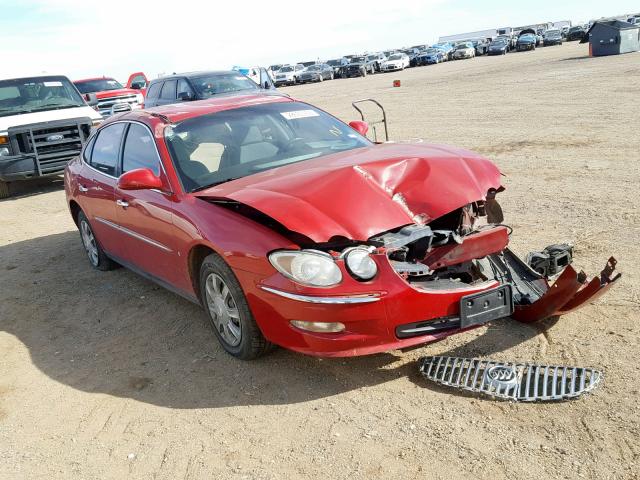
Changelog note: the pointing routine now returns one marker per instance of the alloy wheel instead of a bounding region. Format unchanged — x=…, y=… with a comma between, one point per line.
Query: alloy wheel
x=89, y=242
x=223, y=309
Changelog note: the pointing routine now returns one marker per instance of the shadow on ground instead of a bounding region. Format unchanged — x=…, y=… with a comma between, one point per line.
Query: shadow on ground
x=119, y=334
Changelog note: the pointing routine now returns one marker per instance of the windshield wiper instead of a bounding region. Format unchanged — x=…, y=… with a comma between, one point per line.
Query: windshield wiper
x=214, y=184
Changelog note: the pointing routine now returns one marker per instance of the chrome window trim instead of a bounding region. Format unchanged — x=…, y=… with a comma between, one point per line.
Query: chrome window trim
x=344, y=300
x=134, y=234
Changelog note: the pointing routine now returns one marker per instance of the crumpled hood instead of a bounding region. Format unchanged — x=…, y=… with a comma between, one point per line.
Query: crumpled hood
x=366, y=191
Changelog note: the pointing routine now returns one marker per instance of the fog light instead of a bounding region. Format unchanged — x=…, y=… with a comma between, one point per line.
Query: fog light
x=319, y=327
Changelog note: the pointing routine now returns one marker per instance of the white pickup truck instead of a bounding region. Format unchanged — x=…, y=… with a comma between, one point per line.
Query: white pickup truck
x=44, y=121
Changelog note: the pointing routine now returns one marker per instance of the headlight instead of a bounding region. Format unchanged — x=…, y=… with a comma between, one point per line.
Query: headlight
x=307, y=267
x=95, y=123
x=360, y=264
x=139, y=98
x=4, y=151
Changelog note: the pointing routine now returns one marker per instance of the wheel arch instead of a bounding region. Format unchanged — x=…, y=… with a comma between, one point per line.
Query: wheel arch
x=75, y=210
x=196, y=256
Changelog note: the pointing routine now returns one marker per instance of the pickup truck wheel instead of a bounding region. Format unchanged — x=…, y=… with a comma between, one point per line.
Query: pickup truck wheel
x=4, y=190
x=228, y=311
x=97, y=258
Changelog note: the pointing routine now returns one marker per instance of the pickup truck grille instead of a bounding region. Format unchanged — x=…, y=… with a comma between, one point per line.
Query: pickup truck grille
x=52, y=144
x=120, y=103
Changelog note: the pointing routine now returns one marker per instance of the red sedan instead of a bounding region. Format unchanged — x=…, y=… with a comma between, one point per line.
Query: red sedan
x=291, y=228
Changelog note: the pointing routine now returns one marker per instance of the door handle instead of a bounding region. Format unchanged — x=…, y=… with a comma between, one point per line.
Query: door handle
x=82, y=188
x=122, y=203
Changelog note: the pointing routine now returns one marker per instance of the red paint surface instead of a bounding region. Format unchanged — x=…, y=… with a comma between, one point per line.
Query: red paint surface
x=349, y=194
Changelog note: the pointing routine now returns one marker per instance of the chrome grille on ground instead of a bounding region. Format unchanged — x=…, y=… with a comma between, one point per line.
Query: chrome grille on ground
x=52, y=144
x=522, y=382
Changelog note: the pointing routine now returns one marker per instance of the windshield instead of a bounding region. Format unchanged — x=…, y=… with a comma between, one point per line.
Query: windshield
x=100, y=85
x=215, y=84
x=25, y=95
x=286, y=69
x=334, y=63
x=528, y=36
x=358, y=60
x=223, y=146
x=498, y=42
x=465, y=45
x=552, y=33
x=395, y=56
x=313, y=68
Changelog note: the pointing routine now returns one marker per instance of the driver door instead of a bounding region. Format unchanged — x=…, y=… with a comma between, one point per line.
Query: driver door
x=146, y=216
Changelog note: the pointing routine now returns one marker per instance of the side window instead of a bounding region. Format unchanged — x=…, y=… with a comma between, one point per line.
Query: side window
x=168, y=90
x=184, y=87
x=154, y=91
x=104, y=156
x=86, y=153
x=139, y=150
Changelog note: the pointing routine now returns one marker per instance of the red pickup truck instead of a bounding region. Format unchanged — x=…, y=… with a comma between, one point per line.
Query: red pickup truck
x=112, y=96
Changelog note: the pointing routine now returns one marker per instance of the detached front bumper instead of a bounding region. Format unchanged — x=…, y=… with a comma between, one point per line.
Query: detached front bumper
x=390, y=313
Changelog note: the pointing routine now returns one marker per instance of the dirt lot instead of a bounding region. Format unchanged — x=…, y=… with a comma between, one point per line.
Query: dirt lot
x=105, y=375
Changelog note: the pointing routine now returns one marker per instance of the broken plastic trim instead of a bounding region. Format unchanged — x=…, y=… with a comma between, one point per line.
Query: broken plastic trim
x=524, y=382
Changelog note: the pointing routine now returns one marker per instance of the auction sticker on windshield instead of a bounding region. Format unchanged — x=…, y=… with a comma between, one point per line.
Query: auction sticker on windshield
x=52, y=84
x=299, y=114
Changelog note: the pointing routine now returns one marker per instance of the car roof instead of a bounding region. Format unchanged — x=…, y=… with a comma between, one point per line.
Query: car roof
x=179, y=112
x=194, y=74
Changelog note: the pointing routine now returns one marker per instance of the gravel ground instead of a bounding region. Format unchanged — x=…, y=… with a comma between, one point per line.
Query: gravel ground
x=106, y=375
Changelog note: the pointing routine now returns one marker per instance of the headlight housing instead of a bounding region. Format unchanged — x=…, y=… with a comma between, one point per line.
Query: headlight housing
x=359, y=263
x=5, y=146
x=307, y=267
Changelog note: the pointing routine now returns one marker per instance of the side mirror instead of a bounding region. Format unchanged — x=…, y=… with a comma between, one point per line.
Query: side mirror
x=185, y=96
x=361, y=127
x=139, y=179
x=92, y=99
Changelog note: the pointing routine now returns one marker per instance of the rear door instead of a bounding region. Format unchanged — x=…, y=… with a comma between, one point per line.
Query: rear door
x=97, y=187
x=146, y=216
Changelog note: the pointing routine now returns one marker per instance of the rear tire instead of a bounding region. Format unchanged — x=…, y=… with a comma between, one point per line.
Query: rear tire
x=4, y=190
x=228, y=311
x=97, y=258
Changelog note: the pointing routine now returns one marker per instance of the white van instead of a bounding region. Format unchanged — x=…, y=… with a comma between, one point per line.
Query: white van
x=44, y=121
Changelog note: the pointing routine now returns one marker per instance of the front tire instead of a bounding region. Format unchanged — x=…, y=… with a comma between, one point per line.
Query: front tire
x=228, y=311
x=97, y=258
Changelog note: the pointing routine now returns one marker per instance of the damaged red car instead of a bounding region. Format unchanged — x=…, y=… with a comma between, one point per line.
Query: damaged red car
x=291, y=228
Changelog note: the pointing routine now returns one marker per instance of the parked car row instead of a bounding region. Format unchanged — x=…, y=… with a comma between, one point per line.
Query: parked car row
x=418, y=55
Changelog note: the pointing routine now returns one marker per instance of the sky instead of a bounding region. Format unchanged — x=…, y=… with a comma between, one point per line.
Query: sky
x=85, y=38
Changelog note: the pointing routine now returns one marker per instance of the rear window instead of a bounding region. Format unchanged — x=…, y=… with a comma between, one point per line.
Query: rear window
x=154, y=90
x=168, y=90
